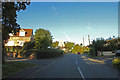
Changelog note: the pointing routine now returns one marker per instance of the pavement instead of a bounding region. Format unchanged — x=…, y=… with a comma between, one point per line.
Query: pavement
x=70, y=66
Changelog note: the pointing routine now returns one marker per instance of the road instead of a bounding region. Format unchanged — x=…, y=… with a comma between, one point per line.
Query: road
x=75, y=66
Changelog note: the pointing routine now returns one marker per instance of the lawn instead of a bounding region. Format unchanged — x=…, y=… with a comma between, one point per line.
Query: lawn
x=10, y=68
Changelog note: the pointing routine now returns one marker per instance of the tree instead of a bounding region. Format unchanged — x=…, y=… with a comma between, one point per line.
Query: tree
x=28, y=45
x=76, y=48
x=9, y=17
x=69, y=45
x=97, y=45
x=43, y=39
x=55, y=44
x=9, y=20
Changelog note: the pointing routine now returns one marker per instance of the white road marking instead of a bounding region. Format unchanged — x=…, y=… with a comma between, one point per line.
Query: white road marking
x=81, y=73
x=31, y=75
x=80, y=70
x=76, y=60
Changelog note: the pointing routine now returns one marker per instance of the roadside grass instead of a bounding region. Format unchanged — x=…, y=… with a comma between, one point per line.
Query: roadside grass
x=95, y=56
x=67, y=52
x=116, y=63
x=10, y=68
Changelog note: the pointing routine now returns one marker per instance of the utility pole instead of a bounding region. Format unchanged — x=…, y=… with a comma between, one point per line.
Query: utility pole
x=83, y=42
x=89, y=39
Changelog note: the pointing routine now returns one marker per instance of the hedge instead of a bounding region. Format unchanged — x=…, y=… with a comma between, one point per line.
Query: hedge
x=44, y=53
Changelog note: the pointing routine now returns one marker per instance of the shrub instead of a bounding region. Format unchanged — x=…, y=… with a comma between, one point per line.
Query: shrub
x=92, y=52
x=49, y=53
x=86, y=52
x=116, y=61
x=44, y=53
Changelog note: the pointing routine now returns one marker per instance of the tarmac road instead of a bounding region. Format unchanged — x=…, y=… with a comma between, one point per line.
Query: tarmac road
x=75, y=66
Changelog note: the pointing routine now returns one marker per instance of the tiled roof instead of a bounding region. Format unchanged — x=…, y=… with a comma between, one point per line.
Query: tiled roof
x=28, y=32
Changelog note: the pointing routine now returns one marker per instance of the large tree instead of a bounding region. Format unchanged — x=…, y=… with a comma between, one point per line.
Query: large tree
x=69, y=45
x=9, y=19
x=77, y=48
x=43, y=39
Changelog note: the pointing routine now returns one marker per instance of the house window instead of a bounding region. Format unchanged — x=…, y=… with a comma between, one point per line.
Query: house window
x=21, y=43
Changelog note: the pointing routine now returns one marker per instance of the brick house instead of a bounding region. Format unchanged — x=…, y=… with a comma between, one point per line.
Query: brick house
x=18, y=40
x=24, y=35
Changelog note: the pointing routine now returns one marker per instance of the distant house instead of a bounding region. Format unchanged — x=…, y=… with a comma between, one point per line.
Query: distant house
x=24, y=35
x=61, y=45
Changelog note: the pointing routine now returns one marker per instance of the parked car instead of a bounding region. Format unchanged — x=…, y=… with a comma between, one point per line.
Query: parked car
x=117, y=54
x=78, y=53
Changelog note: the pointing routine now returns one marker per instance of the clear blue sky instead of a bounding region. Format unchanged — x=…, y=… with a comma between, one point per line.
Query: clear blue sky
x=71, y=21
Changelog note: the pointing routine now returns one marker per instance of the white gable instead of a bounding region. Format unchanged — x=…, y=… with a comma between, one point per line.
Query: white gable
x=22, y=33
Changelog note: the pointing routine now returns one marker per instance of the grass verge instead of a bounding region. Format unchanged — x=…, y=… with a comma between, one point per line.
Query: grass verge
x=10, y=68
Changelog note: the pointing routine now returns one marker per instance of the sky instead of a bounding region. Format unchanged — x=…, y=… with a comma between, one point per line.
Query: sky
x=71, y=21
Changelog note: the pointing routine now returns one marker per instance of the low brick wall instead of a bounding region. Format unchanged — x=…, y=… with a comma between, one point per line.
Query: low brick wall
x=106, y=53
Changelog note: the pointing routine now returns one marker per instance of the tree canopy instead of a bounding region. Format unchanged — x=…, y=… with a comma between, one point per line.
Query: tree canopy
x=43, y=39
x=69, y=45
x=9, y=20
x=9, y=17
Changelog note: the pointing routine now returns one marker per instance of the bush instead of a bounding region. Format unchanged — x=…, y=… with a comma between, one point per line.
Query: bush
x=27, y=53
x=116, y=61
x=92, y=52
x=29, y=45
x=44, y=53
x=86, y=52
x=49, y=53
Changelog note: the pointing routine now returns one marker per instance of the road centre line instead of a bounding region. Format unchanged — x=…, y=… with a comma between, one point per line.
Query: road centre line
x=79, y=69
x=31, y=75
x=76, y=59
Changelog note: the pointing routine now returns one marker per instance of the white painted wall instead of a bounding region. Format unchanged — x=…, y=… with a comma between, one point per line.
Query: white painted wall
x=61, y=43
x=10, y=43
x=22, y=33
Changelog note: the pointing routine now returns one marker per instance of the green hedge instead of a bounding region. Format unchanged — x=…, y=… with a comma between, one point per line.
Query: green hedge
x=44, y=53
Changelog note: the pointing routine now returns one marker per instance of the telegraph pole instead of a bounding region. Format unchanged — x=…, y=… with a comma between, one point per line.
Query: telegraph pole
x=83, y=42
x=89, y=39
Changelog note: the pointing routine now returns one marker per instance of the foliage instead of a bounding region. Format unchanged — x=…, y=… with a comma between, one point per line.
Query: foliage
x=97, y=45
x=104, y=45
x=86, y=52
x=44, y=53
x=43, y=39
x=28, y=45
x=49, y=53
x=116, y=61
x=76, y=48
x=9, y=20
x=69, y=45
x=55, y=44
x=92, y=52
x=9, y=17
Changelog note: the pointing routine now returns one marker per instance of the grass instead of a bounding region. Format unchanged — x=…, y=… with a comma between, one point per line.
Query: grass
x=67, y=52
x=10, y=68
